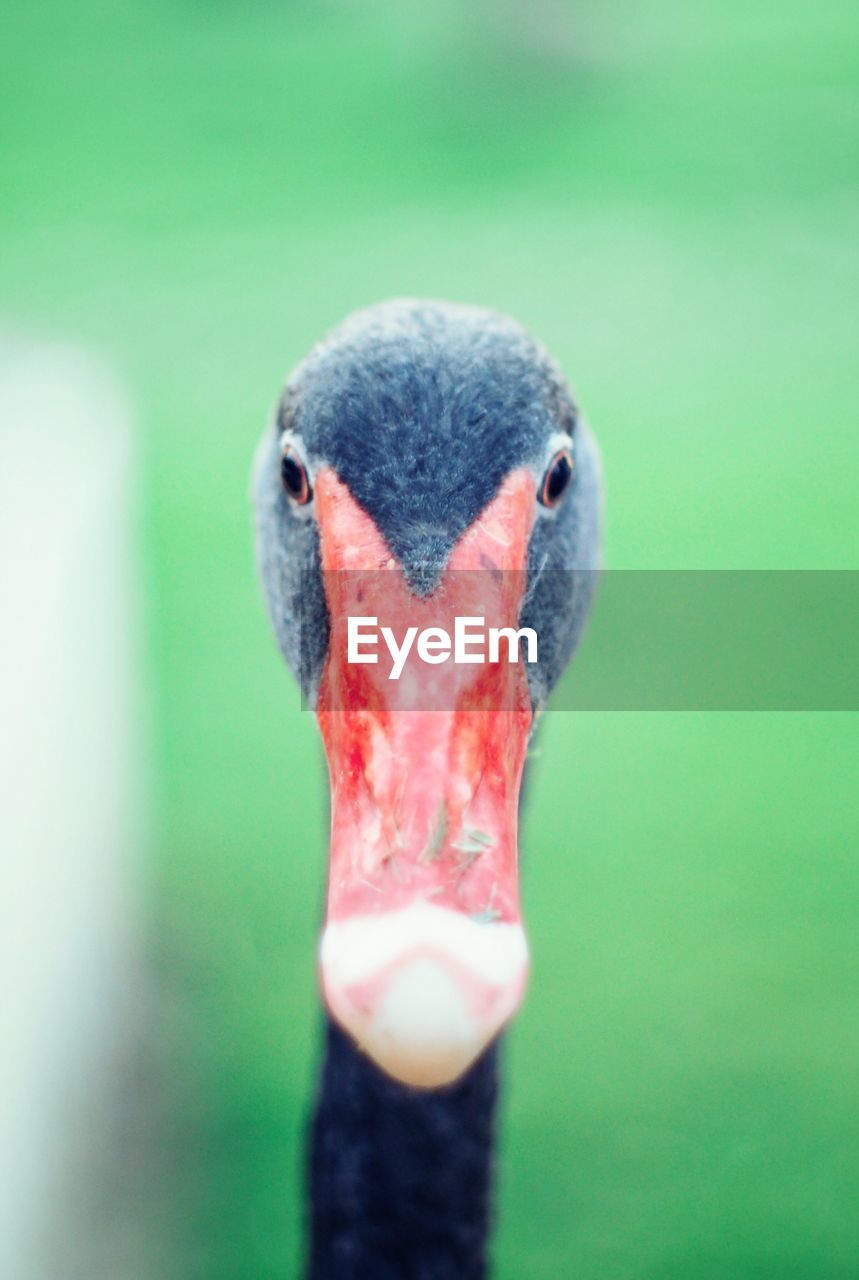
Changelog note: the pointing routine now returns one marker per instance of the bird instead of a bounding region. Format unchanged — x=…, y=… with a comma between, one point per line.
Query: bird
x=425, y=461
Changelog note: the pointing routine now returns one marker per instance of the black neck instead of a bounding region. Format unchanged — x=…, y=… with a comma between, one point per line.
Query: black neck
x=400, y=1179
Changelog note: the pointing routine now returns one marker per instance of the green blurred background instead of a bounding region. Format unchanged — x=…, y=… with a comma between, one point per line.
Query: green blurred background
x=667, y=195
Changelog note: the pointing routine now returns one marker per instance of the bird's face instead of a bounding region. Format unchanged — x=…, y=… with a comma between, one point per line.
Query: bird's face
x=427, y=464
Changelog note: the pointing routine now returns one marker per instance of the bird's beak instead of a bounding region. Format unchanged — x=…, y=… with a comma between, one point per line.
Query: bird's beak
x=423, y=957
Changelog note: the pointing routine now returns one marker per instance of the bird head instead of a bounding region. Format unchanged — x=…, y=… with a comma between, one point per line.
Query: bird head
x=426, y=463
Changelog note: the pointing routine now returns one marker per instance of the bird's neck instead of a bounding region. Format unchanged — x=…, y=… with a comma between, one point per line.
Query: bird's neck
x=400, y=1179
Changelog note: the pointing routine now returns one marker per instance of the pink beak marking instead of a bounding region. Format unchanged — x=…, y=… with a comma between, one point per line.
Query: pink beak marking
x=423, y=956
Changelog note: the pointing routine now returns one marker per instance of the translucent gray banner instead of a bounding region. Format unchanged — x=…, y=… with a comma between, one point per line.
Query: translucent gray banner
x=718, y=640
x=655, y=640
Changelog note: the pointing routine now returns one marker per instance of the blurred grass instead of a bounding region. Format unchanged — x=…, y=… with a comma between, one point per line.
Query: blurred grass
x=199, y=192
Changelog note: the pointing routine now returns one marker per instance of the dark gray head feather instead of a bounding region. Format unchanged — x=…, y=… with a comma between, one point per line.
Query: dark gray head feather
x=422, y=409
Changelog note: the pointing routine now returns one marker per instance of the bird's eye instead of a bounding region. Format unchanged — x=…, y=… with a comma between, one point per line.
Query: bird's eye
x=294, y=477
x=558, y=475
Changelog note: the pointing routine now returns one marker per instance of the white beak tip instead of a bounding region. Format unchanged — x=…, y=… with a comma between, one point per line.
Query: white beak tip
x=422, y=1031
x=423, y=990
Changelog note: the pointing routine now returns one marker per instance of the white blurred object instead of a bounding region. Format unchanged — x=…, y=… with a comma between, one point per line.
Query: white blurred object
x=67, y=779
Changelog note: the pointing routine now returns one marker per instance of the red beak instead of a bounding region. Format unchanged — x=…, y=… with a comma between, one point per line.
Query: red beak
x=423, y=956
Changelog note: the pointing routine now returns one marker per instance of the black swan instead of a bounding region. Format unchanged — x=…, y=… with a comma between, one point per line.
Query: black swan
x=418, y=440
